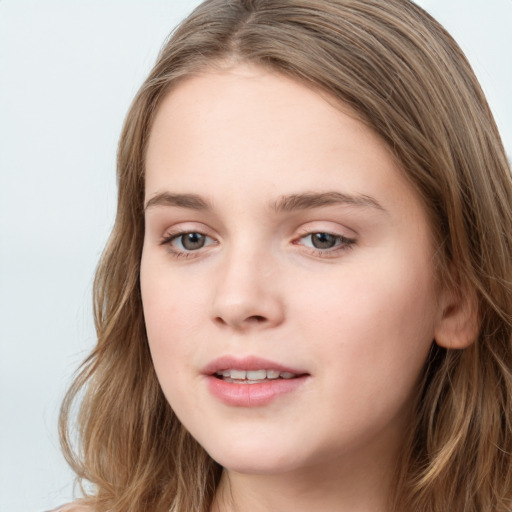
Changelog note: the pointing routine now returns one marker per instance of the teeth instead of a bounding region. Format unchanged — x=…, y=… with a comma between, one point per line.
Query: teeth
x=257, y=375
x=253, y=376
x=237, y=374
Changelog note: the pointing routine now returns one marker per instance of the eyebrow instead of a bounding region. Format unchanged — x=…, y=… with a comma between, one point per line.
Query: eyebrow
x=289, y=203
x=312, y=200
x=191, y=201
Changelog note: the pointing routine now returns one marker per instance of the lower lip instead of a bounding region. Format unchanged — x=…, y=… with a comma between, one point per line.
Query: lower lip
x=252, y=395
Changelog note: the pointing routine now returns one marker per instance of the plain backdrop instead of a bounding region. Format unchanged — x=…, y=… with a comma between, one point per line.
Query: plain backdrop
x=68, y=71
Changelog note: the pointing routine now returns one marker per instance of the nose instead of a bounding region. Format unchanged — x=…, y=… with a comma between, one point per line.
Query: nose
x=247, y=294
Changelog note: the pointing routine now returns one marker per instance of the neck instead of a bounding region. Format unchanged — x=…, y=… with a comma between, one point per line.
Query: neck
x=334, y=486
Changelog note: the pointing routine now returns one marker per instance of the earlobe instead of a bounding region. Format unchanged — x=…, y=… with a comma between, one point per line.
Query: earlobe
x=459, y=322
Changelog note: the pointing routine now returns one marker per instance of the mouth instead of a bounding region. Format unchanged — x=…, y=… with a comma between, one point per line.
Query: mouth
x=238, y=376
x=251, y=381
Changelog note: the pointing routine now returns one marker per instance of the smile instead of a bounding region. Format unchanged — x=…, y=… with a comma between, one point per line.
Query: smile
x=251, y=381
x=252, y=376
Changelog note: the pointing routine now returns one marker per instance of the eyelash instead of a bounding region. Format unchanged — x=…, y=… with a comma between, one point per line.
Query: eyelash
x=343, y=244
x=178, y=253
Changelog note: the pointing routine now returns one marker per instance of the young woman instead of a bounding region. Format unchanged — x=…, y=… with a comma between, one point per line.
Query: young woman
x=306, y=301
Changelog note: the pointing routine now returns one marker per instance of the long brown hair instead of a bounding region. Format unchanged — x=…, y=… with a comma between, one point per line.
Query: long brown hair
x=406, y=78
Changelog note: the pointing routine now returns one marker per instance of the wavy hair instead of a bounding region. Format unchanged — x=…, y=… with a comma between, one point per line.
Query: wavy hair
x=406, y=78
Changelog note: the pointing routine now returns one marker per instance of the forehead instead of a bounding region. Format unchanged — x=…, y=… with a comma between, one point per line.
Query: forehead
x=246, y=130
x=264, y=97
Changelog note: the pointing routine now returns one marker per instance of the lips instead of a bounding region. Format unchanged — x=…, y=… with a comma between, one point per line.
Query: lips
x=251, y=381
x=250, y=363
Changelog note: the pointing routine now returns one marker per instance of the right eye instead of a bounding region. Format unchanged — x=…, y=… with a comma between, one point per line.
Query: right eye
x=186, y=242
x=190, y=241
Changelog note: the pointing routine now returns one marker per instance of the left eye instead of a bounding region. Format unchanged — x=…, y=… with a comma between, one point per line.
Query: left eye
x=190, y=241
x=324, y=240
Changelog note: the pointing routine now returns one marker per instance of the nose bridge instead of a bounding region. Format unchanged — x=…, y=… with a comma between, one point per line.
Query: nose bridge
x=247, y=289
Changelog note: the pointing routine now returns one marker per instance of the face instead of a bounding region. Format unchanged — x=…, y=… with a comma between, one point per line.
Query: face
x=287, y=277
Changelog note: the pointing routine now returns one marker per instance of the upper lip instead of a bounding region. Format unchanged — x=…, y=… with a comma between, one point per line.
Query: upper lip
x=247, y=363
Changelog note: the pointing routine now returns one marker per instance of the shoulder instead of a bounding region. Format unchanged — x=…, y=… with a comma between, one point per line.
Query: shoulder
x=73, y=507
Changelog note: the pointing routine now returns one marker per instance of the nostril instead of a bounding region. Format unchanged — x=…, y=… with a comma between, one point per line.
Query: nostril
x=257, y=318
x=220, y=320
x=253, y=319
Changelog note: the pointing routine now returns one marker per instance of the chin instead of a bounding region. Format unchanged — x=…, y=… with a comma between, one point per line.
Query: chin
x=262, y=466
x=255, y=458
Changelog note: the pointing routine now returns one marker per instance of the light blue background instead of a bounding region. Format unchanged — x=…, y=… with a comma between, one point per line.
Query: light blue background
x=68, y=71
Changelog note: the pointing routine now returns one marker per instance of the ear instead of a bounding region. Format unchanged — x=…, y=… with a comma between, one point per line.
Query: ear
x=458, y=324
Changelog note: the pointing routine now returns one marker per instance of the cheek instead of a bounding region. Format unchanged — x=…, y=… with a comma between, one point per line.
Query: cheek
x=373, y=327
x=170, y=328
x=171, y=314
x=171, y=303
x=393, y=293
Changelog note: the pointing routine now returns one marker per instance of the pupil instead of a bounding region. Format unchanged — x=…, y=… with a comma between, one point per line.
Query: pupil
x=323, y=240
x=193, y=241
